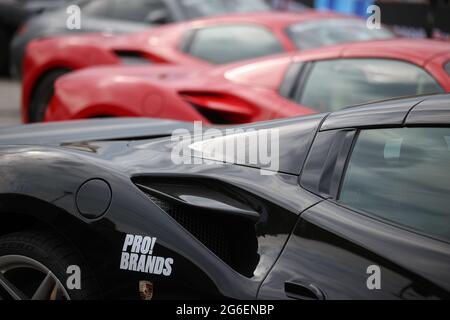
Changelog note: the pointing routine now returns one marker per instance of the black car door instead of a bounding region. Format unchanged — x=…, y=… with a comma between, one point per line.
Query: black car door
x=383, y=228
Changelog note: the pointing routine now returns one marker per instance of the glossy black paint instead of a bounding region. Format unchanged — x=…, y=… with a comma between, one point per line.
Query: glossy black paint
x=132, y=212
x=322, y=173
x=291, y=80
x=294, y=135
x=386, y=113
x=57, y=133
x=93, y=198
x=288, y=237
x=431, y=111
x=332, y=247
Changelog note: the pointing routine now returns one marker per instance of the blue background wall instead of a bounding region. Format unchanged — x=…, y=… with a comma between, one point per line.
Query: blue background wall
x=357, y=7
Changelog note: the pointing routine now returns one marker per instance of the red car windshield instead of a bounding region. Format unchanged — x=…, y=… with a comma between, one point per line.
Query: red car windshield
x=317, y=34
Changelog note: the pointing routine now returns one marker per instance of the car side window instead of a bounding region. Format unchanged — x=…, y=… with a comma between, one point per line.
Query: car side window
x=334, y=84
x=151, y=11
x=136, y=10
x=402, y=176
x=229, y=43
x=326, y=32
x=100, y=8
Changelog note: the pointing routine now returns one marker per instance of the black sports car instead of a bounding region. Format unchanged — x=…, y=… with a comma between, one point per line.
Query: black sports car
x=355, y=207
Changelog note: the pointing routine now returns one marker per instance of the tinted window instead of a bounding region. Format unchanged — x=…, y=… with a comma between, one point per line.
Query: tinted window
x=135, y=10
x=225, y=44
x=141, y=10
x=102, y=8
x=328, y=32
x=403, y=176
x=335, y=84
x=447, y=68
x=199, y=8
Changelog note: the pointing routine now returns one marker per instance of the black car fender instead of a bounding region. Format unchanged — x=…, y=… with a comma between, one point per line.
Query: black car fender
x=40, y=189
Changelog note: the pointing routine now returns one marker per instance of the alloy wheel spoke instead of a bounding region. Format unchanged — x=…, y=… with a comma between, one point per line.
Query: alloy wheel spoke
x=48, y=286
x=12, y=290
x=45, y=289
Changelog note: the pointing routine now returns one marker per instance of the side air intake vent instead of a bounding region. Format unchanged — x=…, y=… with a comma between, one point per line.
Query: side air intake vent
x=132, y=57
x=220, y=108
x=222, y=224
x=204, y=228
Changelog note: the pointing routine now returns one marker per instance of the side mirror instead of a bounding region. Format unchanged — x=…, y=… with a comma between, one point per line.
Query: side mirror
x=158, y=16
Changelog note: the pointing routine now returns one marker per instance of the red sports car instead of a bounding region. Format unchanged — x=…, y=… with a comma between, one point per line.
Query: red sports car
x=318, y=80
x=206, y=41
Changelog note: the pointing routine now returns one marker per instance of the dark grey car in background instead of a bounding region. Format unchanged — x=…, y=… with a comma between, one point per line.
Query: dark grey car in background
x=13, y=13
x=120, y=16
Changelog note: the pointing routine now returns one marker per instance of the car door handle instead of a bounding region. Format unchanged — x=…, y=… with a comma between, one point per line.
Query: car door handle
x=302, y=291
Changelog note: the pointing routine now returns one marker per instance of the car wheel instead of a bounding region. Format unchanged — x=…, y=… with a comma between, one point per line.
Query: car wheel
x=38, y=266
x=43, y=94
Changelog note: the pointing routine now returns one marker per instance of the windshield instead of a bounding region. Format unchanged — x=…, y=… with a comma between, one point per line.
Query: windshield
x=201, y=8
x=329, y=32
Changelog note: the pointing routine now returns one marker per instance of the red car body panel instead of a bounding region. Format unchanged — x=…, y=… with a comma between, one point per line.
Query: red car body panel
x=159, y=45
x=241, y=92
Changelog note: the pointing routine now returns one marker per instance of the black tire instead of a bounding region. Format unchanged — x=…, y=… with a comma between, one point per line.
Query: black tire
x=42, y=95
x=53, y=253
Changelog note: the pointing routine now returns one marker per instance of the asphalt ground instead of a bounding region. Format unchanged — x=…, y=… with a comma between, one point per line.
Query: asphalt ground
x=9, y=102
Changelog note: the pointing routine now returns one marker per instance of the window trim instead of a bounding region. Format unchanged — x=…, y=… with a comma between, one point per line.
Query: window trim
x=302, y=80
x=327, y=184
x=349, y=156
x=186, y=41
x=291, y=79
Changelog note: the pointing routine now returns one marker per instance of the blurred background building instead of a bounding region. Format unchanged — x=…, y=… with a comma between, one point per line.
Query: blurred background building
x=412, y=18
